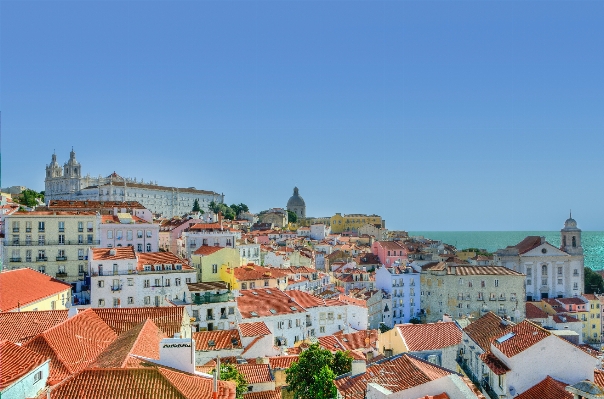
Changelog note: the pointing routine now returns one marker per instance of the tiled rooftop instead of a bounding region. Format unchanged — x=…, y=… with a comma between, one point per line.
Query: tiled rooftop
x=73, y=344
x=22, y=287
x=533, y=312
x=140, y=383
x=255, y=373
x=282, y=362
x=168, y=319
x=482, y=330
x=254, y=329
x=17, y=362
x=492, y=362
x=420, y=337
x=118, y=253
x=526, y=334
x=205, y=250
x=307, y=300
x=276, y=394
x=217, y=340
x=548, y=388
x=20, y=327
x=263, y=301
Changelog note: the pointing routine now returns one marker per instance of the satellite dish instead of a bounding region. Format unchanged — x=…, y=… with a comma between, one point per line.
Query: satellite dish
x=512, y=391
x=67, y=305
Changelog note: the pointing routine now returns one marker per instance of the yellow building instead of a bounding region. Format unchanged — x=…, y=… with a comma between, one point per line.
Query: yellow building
x=465, y=255
x=208, y=261
x=55, y=243
x=28, y=290
x=592, y=327
x=353, y=222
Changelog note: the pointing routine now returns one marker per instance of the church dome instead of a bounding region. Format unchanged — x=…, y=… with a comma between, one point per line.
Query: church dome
x=570, y=224
x=295, y=200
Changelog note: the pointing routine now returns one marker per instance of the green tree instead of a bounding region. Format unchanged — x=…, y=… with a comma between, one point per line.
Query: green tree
x=341, y=363
x=196, y=207
x=214, y=207
x=593, y=282
x=28, y=197
x=292, y=217
x=383, y=328
x=312, y=376
x=228, y=372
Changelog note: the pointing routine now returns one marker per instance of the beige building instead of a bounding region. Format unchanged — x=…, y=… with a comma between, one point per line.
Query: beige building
x=471, y=291
x=55, y=243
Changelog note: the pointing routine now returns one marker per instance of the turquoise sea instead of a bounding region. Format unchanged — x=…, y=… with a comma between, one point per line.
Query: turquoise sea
x=593, y=241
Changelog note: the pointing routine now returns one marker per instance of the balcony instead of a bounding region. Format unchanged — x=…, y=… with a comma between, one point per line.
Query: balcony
x=211, y=298
x=61, y=230
x=42, y=259
x=80, y=229
x=223, y=316
x=308, y=323
x=61, y=275
x=28, y=259
x=61, y=258
x=80, y=257
x=18, y=259
x=210, y=317
x=116, y=288
x=28, y=229
x=15, y=229
x=18, y=243
x=114, y=273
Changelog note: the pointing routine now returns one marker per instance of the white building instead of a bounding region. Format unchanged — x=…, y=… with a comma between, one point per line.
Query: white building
x=319, y=231
x=212, y=306
x=403, y=286
x=249, y=253
x=68, y=183
x=120, y=277
x=24, y=373
x=127, y=230
x=550, y=272
x=212, y=234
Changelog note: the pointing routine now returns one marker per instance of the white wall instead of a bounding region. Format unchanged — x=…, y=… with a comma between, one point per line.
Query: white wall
x=26, y=387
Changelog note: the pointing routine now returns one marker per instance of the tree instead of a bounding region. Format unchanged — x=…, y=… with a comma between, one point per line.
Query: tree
x=214, y=207
x=28, y=198
x=415, y=320
x=593, y=282
x=228, y=372
x=239, y=208
x=383, y=328
x=312, y=376
x=196, y=207
x=292, y=217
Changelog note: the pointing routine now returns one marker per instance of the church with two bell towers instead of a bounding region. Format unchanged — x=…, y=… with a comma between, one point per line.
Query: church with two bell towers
x=551, y=272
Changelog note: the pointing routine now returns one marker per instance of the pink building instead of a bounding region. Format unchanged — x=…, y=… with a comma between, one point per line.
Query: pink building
x=171, y=230
x=389, y=252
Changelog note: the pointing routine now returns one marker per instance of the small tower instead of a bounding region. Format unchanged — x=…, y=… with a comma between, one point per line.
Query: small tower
x=296, y=204
x=72, y=167
x=53, y=169
x=570, y=237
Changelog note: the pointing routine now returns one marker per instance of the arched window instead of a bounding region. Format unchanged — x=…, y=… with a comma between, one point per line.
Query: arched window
x=544, y=269
x=574, y=242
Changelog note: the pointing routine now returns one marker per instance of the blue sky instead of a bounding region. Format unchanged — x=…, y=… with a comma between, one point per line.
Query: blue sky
x=447, y=115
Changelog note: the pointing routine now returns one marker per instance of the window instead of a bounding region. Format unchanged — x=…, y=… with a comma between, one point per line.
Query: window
x=146, y=284
x=110, y=234
x=167, y=283
x=139, y=247
x=38, y=376
x=61, y=238
x=483, y=284
x=529, y=271
x=89, y=227
x=252, y=285
x=147, y=300
x=41, y=226
x=101, y=303
x=139, y=234
x=157, y=282
x=559, y=281
x=496, y=283
x=118, y=235
x=187, y=280
x=80, y=239
x=575, y=272
x=149, y=233
x=266, y=283
x=544, y=270
x=214, y=268
x=42, y=269
x=116, y=302
x=321, y=329
x=101, y=283
x=89, y=238
x=80, y=227
x=129, y=235
x=559, y=270
x=148, y=247
x=575, y=286
x=177, y=282
x=130, y=300
x=80, y=269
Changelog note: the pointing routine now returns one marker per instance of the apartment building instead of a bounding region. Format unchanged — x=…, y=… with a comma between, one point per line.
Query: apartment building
x=55, y=243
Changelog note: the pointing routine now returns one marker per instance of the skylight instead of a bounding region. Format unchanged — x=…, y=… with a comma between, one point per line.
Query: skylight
x=505, y=337
x=211, y=343
x=273, y=311
x=293, y=308
x=254, y=314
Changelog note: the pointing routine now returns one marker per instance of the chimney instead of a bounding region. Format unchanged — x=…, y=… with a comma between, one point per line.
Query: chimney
x=112, y=252
x=358, y=367
x=220, y=219
x=177, y=353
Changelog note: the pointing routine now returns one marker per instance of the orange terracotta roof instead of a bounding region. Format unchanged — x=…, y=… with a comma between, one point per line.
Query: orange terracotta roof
x=307, y=300
x=493, y=362
x=20, y=327
x=217, y=340
x=599, y=378
x=17, y=362
x=142, y=340
x=359, y=340
x=485, y=271
x=254, y=329
x=94, y=204
x=527, y=244
x=255, y=373
x=533, y=312
x=73, y=344
x=526, y=334
x=161, y=258
x=282, y=362
x=22, y=287
x=482, y=330
x=420, y=337
x=254, y=272
x=396, y=373
x=548, y=388
x=205, y=250
x=266, y=302
x=571, y=301
x=275, y=394
x=206, y=226
x=140, y=383
x=118, y=253
x=120, y=320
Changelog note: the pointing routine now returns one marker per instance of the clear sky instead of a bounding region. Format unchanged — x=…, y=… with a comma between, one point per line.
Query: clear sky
x=446, y=115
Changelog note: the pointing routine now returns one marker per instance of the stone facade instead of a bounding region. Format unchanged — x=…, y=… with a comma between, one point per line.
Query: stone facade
x=471, y=291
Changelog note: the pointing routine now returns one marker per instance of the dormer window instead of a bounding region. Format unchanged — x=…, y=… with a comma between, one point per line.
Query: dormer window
x=147, y=268
x=157, y=268
x=178, y=266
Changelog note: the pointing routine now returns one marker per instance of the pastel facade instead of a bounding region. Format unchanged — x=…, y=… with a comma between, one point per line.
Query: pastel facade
x=55, y=243
x=28, y=290
x=249, y=253
x=170, y=232
x=68, y=183
x=212, y=305
x=127, y=230
x=390, y=252
x=208, y=261
x=212, y=234
x=353, y=222
x=25, y=371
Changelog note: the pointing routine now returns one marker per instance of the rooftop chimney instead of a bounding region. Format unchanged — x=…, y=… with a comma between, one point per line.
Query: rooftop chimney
x=358, y=367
